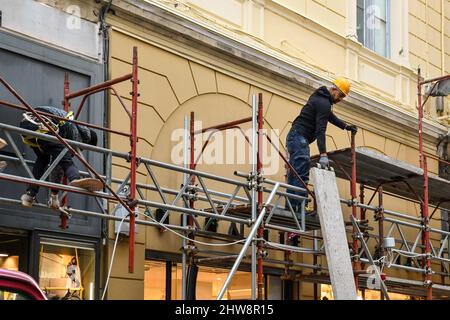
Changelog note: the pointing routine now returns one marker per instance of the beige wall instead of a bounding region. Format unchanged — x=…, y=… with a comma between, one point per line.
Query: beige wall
x=314, y=35
x=320, y=36
x=176, y=80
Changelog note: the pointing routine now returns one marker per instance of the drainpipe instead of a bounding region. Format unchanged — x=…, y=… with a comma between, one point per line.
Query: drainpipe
x=443, y=36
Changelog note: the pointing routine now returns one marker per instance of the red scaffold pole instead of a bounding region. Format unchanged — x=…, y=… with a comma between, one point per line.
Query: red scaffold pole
x=260, y=196
x=133, y=159
x=66, y=109
x=356, y=264
x=424, y=205
x=192, y=166
x=426, y=234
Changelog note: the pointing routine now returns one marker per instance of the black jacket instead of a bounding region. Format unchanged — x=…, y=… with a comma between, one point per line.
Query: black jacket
x=314, y=117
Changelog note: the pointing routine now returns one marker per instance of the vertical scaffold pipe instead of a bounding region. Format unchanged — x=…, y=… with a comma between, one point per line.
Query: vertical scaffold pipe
x=426, y=234
x=260, y=196
x=192, y=165
x=66, y=109
x=424, y=205
x=247, y=243
x=380, y=217
x=133, y=165
x=356, y=265
x=420, y=106
x=184, y=217
x=254, y=172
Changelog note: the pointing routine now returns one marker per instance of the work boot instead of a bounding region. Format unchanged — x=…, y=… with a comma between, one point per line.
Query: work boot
x=2, y=143
x=27, y=200
x=53, y=202
x=2, y=165
x=89, y=184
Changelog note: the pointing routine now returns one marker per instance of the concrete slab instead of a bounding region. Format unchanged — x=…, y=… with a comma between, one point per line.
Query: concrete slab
x=334, y=236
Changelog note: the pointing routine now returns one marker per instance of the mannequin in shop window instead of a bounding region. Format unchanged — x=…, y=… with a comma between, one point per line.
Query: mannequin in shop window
x=73, y=275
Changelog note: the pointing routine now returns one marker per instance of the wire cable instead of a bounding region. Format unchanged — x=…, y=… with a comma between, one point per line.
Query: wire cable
x=112, y=256
x=189, y=239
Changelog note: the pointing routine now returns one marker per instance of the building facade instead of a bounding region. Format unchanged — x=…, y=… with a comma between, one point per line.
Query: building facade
x=36, y=51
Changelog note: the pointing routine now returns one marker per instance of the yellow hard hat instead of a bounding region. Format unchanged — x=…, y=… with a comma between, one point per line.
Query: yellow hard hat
x=343, y=85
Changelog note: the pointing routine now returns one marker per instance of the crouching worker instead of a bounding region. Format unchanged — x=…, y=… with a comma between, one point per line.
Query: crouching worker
x=47, y=151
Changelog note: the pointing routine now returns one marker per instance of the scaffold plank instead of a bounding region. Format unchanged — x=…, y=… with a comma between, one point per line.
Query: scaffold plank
x=334, y=234
x=397, y=177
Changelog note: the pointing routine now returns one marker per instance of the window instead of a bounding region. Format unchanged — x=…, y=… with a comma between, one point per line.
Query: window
x=159, y=275
x=67, y=270
x=6, y=294
x=210, y=281
x=9, y=262
x=373, y=24
x=155, y=280
x=327, y=294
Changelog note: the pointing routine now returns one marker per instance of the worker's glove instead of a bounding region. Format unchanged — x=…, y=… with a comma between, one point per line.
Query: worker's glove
x=352, y=128
x=324, y=162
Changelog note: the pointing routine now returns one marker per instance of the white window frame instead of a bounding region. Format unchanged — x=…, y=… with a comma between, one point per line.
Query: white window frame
x=371, y=46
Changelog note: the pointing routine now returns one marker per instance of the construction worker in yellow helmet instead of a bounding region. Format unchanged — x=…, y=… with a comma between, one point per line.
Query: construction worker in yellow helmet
x=310, y=125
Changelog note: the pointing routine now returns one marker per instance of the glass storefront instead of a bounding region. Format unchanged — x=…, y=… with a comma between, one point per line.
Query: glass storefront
x=9, y=262
x=12, y=295
x=155, y=280
x=67, y=269
x=209, y=282
x=327, y=294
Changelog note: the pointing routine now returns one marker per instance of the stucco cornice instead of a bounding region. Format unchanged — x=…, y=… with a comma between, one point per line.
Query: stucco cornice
x=192, y=32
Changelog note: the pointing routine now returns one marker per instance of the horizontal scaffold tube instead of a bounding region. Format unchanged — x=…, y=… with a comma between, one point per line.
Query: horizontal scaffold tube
x=104, y=195
x=122, y=155
x=98, y=215
x=386, y=211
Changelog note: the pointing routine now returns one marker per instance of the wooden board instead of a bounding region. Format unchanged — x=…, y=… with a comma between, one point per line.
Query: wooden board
x=334, y=235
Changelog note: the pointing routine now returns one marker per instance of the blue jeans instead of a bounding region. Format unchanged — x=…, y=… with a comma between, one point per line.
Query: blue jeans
x=49, y=151
x=299, y=158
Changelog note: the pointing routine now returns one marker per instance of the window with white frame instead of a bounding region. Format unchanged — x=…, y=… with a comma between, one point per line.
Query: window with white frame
x=373, y=24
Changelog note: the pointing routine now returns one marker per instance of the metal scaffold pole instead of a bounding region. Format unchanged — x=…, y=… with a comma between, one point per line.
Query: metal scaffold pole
x=260, y=196
x=355, y=246
x=66, y=109
x=254, y=185
x=133, y=159
x=184, y=216
x=248, y=241
x=424, y=204
x=380, y=217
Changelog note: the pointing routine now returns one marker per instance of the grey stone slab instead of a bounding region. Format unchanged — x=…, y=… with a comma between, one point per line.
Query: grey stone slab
x=334, y=235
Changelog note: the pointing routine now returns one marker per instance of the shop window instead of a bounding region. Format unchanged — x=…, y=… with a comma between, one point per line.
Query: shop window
x=155, y=280
x=9, y=262
x=67, y=270
x=210, y=281
x=327, y=294
x=12, y=295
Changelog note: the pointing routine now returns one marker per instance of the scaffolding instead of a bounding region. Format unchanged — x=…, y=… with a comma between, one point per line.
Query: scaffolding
x=255, y=202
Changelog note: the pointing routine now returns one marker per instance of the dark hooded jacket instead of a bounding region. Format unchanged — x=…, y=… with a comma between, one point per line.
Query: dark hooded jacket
x=314, y=117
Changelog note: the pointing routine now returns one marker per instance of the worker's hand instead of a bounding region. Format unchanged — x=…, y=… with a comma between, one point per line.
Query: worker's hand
x=352, y=128
x=324, y=162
